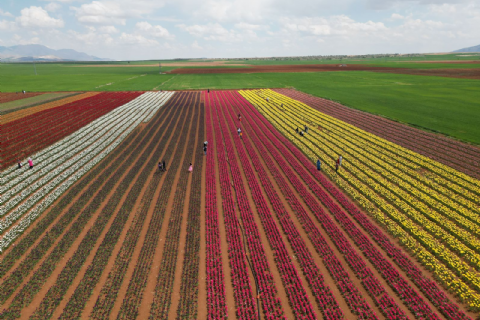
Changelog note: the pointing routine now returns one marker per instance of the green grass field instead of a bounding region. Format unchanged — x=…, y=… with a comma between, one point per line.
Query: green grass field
x=447, y=105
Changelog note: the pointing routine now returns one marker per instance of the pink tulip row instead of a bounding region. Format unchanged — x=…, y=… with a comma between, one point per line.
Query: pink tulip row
x=385, y=268
x=293, y=284
x=216, y=304
x=352, y=296
x=27, y=135
x=455, y=154
x=271, y=304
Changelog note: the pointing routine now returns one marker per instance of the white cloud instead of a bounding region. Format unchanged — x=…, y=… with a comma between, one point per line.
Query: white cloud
x=5, y=13
x=249, y=26
x=136, y=39
x=154, y=31
x=396, y=16
x=52, y=7
x=37, y=17
x=211, y=31
x=98, y=12
x=7, y=25
x=196, y=46
x=92, y=37
x=108, y=29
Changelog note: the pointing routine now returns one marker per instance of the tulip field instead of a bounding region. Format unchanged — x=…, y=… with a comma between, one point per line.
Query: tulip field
x=98, y=230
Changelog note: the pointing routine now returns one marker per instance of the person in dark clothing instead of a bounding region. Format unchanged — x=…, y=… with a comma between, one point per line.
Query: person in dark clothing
x=296, y=130
x=306, y=129
x=301, y=133
x=164, y=166
x=160, y=166
x=205, y=149
x=239, y=117
x=319, y=165
x=208, y=90
x=20, y=164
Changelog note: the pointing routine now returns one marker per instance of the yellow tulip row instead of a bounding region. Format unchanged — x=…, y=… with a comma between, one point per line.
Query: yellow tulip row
x=407, y=157
x=383, y=174
x=395, y=222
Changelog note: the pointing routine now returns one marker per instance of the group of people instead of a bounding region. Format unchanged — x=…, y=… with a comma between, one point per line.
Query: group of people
x=30, y=163
x=302, y=133
x=338, y=164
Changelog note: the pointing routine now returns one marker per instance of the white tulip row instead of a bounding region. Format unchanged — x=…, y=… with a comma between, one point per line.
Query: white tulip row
x=27, y=179
x=66, y=178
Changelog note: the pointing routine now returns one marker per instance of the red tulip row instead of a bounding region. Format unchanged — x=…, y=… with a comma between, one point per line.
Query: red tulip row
x=188, y=302
x=458, y=155
x=51, y=300
x=388, y=271
x=353, y=297
x=271, y=304
x=129, y=308
x=161, y=304
x=27, y=135
x=245, y=303
x=298, y=298
x=313, y=276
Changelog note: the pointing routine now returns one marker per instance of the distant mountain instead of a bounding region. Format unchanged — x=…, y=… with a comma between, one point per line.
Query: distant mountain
x=42, y=53
x=469, y=49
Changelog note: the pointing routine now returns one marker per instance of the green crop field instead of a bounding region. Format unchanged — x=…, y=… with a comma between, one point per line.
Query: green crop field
x=446, y=105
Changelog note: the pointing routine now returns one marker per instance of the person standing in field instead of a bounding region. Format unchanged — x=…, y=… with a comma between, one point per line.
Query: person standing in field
x=190, y=168
x=296, y=130
x=319, y=165
x=239, y=132
x=205, y=149
x=306, y=129
x=338, y=164
x=239, y=117
x=30, y=163
x=164, y=166
x=160, y=166
x=19, y=164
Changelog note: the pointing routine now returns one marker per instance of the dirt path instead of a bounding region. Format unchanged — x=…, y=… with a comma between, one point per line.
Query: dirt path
x=139, y=289
x=133, y=220
x=184, y=303
x=229, y=291
x=108, y=286
x=59, y=270
x=202, y=272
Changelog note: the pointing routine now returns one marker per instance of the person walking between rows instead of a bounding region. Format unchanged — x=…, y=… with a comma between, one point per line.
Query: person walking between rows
x=338, y=164
x=205, y=143
x=30, y=163
x=190, y=169
x=319, y=165
x=296, y=130
x=239, y=117
x=160, y=166
x=205, y=149
x=306, y=129
x=239, y=132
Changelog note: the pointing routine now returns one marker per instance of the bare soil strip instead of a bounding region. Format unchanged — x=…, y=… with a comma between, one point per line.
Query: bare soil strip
x=187, y=299
x=130, y=307
x=109, y=285
x=168, y=278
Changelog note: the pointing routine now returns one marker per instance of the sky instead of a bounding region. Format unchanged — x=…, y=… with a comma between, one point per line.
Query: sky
x=168, y=29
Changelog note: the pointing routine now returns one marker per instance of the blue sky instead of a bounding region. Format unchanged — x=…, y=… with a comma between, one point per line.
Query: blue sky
x=165, y=29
